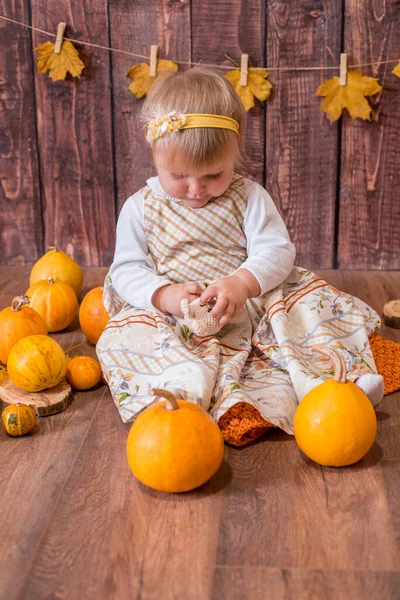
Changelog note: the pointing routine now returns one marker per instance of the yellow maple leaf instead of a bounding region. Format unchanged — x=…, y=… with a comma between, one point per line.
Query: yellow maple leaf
x=257, y=85
x=140, y=74
x=59, y=65
x=396, y=70
x=351, y=96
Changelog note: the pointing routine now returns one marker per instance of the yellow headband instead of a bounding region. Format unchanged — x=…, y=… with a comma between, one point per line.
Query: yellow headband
x=174, y=122
x=217, y=121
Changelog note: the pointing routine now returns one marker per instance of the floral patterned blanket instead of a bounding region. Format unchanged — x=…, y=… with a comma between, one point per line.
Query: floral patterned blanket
x=267, y=361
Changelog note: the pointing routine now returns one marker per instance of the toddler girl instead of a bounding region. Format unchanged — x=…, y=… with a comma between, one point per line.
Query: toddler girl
x=201, y=234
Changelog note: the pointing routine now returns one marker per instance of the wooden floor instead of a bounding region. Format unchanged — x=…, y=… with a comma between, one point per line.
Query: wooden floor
x=76, y=525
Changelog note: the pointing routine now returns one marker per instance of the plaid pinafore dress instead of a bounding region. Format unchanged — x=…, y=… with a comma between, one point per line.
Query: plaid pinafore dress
x=266, y=361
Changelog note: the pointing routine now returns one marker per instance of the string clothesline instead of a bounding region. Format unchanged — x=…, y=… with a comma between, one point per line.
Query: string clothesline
x=183, y=62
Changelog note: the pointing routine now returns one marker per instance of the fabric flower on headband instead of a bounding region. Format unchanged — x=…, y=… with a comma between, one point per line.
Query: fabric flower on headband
x=159, y=127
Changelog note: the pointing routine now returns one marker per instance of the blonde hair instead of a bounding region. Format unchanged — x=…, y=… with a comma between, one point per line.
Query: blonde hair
x=196, y=91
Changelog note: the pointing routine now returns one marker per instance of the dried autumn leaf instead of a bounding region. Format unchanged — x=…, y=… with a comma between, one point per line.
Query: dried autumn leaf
x=59, y=65
x=396, y=70
x=140, y=74
x=257, y=86
x=350, y=96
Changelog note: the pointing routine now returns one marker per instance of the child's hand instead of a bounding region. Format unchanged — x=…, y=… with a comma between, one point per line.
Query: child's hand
x=168, y=298
x=231, y=294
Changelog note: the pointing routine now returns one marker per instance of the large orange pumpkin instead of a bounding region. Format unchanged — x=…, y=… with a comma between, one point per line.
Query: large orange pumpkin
x=174, y=446
x=83, y=372
x=55, y=301
x=18, y=418
x=16, y=322
x=36, y=362
x=93, y=317
x=335, y=423
x=58, y=265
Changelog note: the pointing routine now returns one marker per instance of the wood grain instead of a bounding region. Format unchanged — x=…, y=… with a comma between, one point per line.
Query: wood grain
x=391, y=474
x=298, y=516
x=35, y=467
x=369, y=232
x=135, y=28
x=74, y=134
x=234, y=28
x=47, y=402
x=247, y=583
x=21, y=230
x=269, y=524
x=142, y=532
x=301, y=145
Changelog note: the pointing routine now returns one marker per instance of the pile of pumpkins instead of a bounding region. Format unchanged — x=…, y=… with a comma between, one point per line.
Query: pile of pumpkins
x=174, y=445
x=34, y=360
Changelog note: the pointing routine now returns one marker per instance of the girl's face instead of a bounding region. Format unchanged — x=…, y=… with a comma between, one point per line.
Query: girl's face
x=194, y=189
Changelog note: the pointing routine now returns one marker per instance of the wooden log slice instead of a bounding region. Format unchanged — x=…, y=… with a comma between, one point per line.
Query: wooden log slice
x=391, y=314
x=47, y=402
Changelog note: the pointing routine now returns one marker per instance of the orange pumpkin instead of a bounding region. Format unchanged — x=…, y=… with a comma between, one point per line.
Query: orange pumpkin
x=83, y=372
x=36, y=362
x=58, y=265
x=174, y=446
x=93, y=317
x=335, y=423
x=18, y=418
x=16, y=322
x=55, y=301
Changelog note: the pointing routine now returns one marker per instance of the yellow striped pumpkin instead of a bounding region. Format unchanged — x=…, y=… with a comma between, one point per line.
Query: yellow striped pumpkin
x=58, y=265
x=55, y=301
x=36, y=362
x=18, y=419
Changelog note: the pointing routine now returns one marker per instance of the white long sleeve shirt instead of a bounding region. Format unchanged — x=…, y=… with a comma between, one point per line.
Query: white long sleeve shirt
x=270, y=253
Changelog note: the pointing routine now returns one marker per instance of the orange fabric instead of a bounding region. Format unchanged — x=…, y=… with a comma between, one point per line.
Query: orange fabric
x=242, y=423
x=387, y=358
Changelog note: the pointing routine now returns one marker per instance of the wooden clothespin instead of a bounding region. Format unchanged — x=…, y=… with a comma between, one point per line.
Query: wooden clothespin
x=244, y=63
x=153, y=60
x=59, y=38
x=343, y=69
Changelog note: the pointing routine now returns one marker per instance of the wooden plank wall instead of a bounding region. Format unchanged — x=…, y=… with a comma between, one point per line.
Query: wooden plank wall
x=74, y=125
x=369, y=216
x=301, y=144
x=21, y=226
x=71, y=152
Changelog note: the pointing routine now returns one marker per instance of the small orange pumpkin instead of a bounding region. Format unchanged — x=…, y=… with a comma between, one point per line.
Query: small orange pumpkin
x=36, y=362
x=18, y=418
x=335, y=423
x=174, y=446
x=58, y=265
x=93, y=317
x=55, y=301
x=83, y=372
x=16, y=322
